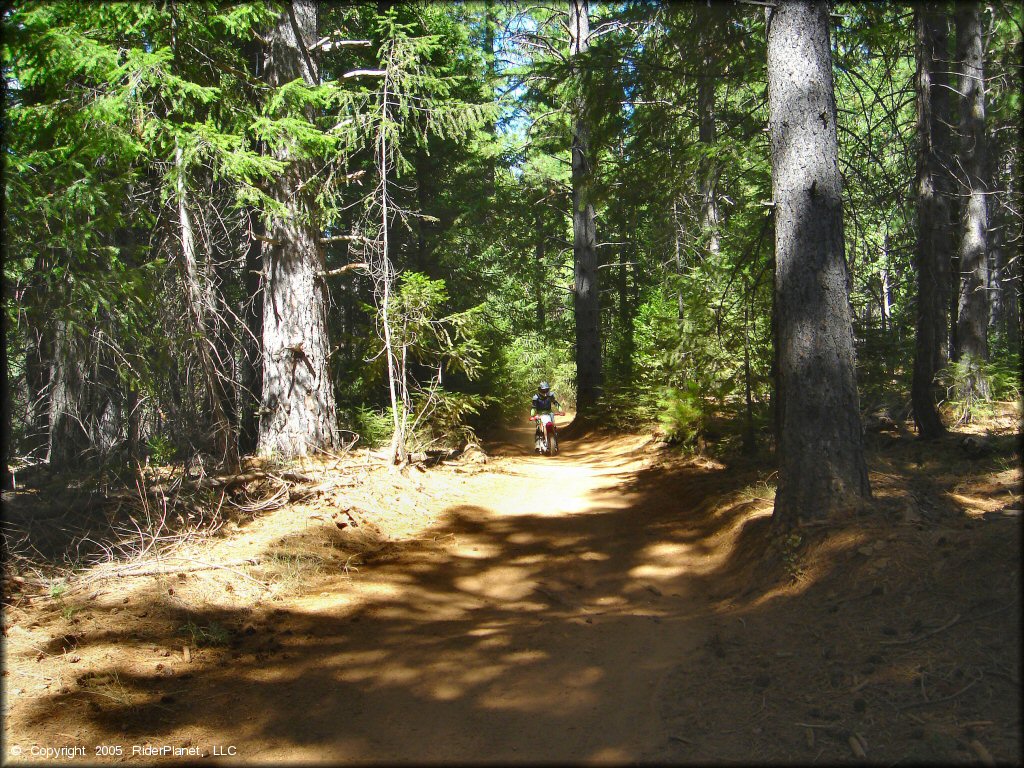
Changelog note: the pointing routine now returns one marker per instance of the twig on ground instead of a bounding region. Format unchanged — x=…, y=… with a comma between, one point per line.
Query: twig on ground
x=857, y=747
x=951, y=623
x=198, y=565
x=982, y=753
x=951, y=696
x=909, y=640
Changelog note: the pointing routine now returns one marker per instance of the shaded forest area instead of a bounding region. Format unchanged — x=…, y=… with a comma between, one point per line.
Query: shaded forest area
x=244, y=231
x=270, y=263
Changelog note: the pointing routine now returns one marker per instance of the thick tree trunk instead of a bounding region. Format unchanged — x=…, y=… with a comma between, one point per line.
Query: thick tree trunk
x=490, y=127
x=822, y=467
x=69, y=436
x=299, y=413
x=103, y=404
x=972, y=322
x=587, y=301
x=38, y=356
x=933, y=252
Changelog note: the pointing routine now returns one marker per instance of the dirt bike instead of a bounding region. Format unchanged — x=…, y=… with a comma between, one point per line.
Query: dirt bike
x=545, y=438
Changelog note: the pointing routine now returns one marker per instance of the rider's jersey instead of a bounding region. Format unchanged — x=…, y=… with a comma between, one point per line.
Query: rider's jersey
x=544, y=403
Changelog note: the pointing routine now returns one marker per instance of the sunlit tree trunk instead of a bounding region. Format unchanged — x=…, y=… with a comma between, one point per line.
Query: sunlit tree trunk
x=821, y=454
x=933, y=236
x=973, y=315
x=299, y=412
x=589, y=374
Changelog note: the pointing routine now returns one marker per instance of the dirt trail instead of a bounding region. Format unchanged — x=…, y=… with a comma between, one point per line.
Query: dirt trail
x=535, y=626
x=533, y=621
x=598, y=606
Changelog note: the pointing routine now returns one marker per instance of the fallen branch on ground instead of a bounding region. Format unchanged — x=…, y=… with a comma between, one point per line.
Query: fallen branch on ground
x=198, y=565
x=939, y=701
x=951, y=623
x=909, y=640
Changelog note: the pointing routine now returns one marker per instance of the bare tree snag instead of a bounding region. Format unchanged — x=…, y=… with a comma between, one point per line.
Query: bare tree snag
x=198, y=301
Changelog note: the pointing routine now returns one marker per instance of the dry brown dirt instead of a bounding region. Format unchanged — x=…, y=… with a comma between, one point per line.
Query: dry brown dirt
x=612, y=604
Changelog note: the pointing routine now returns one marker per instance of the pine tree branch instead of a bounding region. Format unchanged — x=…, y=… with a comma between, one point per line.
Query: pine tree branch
x=265, y=239
x=329, y=44
x=365, y=73
x=344, y=239
x=346, y=268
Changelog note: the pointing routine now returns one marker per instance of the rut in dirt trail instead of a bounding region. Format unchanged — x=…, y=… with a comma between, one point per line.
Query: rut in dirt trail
x=536, y=621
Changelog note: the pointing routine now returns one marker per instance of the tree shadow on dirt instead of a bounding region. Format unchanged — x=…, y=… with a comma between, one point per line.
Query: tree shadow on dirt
x=498, y=637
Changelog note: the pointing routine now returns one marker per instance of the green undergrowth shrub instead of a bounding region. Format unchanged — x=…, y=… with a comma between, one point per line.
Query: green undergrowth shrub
x=441, y=419
x=1004, y=371
x=629, y=408
x=373, y=427
x=683, y=414
x=972, y=387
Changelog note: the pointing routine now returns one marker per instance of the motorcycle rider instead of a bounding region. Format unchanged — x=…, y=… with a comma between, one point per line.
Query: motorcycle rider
x=544, y=401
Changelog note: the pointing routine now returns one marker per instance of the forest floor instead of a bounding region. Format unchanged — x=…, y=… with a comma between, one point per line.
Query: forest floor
x=605, y=605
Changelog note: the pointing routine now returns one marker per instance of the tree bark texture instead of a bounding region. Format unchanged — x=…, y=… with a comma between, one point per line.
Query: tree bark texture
x=933, y=236
x=69, y=436
x=38, y=354
x=822, y=467
x=298, y=414
x=972, y=321
x=586, y=297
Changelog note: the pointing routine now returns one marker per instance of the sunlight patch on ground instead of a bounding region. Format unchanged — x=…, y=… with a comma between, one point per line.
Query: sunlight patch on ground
x=530, y=560
x=493, y=642
x=475, y=550
x=503, y=583
x=535, y=695
x=524, y=538
x=610, y=600
x=666, y=549
x=614, y=755
x=651, y=571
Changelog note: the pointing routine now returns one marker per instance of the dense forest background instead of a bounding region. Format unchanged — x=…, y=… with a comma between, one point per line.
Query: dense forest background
x=221, y=239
